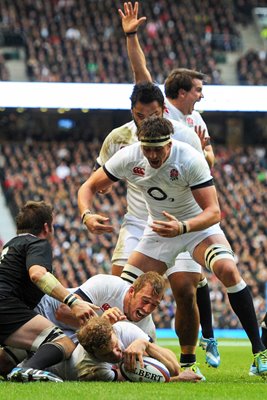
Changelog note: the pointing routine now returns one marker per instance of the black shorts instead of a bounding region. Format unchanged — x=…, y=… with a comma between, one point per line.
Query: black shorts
x=13, y=314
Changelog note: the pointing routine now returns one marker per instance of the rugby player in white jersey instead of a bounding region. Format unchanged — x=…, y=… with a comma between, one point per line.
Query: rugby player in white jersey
x=113, y=296
x=103, y=345
x=146, y=100
x=183, y=88
x=184, y=214
x=135, y=302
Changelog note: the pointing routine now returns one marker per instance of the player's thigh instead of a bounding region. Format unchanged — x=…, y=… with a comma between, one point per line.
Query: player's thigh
x=129, y=237
x=146, y=263
x=28, y=332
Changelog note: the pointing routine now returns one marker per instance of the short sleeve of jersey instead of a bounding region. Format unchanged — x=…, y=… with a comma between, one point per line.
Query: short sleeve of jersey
x=105, y=290
x=199, y=121
x=116, y=166
x=197, y=170
x=185, y=134
x=39, y=253
x=117, y=139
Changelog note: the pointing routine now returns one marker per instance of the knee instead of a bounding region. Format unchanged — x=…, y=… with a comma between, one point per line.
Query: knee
x=67, y=345
x=186, y=297
x=226, y=272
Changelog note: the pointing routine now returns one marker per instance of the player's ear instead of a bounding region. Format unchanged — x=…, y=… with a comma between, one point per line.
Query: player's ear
x=131, y=290
x=46, y=227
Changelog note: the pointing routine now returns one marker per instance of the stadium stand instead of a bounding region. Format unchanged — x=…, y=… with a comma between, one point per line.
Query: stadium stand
x=252, y=68
x=80, y=41
x=53, y=171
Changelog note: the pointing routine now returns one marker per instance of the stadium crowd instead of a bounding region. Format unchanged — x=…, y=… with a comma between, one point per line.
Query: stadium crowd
x=252, y=68
x=53, y=171
x=82, y=41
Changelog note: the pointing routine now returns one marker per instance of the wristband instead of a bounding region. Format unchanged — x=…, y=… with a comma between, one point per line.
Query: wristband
x=86, y=217
x=182, y=227
x=185, y=227
x=130, y=33
x=84, y=214
x=47, y=283
x=70, y=299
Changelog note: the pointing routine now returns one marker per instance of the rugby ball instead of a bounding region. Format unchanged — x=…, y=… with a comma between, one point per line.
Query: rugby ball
x=154, y=371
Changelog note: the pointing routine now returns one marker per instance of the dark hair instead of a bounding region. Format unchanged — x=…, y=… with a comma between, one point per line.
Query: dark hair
x=146, y=93
x=154, y=127
x=181, y=78
x=32, y=217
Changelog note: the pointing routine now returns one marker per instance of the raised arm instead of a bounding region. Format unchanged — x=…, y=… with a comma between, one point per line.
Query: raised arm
x=130, y=25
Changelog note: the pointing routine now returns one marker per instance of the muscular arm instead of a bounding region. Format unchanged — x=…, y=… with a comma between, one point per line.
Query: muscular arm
x=131, y=23
x=98, y=181
x=141, y=347
x=206, y=197
x=209, y=155
x=48, y=283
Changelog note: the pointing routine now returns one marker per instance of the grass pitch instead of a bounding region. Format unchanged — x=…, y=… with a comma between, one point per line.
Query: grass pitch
x=229, y=381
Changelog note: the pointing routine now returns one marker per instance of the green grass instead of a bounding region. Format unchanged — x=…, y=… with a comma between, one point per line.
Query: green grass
x=229, y=381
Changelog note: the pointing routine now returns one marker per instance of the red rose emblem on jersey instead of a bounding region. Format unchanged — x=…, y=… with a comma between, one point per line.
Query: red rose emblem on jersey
x=174, y=174
x=190, y=121
x=139, y=171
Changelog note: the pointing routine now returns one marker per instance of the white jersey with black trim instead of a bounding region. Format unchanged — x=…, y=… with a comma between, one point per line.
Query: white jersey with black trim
x=105, y=291
x=124, y=136
x=168, y=187
x=190, y=120
x=84, y=367
x=108, y=291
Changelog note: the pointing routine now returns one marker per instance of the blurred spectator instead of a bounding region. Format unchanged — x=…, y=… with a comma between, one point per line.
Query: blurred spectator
x=252, y=68
x=4, y=73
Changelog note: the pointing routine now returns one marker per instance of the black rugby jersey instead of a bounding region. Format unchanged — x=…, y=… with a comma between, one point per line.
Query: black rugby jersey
x=18, y=255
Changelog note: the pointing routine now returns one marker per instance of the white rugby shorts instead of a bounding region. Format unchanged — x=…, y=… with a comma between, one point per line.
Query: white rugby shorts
x=168, y=249
x=130, y=234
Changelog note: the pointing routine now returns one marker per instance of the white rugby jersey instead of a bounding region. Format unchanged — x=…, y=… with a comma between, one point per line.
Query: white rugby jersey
x=117, y=139
x=190, y=120
x=124, y=136
x=83, y=366
x=108, y=291
x=105, y=291
x=168, y=187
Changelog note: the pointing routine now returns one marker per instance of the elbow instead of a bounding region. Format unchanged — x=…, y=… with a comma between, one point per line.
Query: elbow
x=217, y=216
x=36, y=274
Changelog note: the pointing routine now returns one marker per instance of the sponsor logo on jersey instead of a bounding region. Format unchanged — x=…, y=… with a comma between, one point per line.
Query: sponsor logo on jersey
x=105, y=307
x=174, y=174
x=139, y=171
x=190, y=121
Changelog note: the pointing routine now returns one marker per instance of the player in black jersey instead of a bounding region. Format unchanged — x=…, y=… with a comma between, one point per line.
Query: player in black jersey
x=25, y=276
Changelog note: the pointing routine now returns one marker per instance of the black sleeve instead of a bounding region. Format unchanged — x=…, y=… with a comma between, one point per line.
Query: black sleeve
x=202, y=185
x=112, y=177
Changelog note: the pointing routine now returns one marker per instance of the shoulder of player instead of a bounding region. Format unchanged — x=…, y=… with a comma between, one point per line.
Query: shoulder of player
x=124, y=328
x=104, y=279
x=27, y=238
x=197, y=117
x=185, y=149
x=123, y=134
